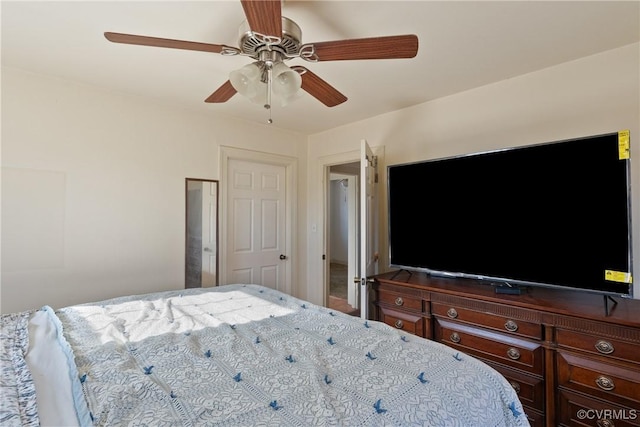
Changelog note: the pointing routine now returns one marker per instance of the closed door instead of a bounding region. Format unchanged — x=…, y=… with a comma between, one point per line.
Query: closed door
x=256, y=228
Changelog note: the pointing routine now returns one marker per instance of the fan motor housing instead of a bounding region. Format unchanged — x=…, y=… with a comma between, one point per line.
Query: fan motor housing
x=251, y=45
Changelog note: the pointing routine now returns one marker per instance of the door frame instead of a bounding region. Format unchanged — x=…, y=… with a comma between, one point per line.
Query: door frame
x=325, y=163
x=353, y=204
x=290, y=164
x=325, y=169
x=215, y=182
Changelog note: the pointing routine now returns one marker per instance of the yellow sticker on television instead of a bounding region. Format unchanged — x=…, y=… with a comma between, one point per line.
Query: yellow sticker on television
x=617, y=276
x=623, y=144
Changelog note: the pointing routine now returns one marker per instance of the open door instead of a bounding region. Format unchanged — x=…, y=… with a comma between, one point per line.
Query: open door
x=368, y=252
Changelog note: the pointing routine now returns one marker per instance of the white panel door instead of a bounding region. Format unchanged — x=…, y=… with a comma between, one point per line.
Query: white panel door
x=368, y=216
x=256, y=232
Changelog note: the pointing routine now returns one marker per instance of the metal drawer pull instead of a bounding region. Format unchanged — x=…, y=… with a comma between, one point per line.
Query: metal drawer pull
x=605, y=383
x=515, y=386
x=605, y=422
x=513, y=353
x=399, y=301
x=399, y=324
x=455, y=337
x=452, y=313
x=511, y=326
x=604, y=347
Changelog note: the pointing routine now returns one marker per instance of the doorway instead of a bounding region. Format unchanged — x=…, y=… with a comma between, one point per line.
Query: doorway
x=201, y=233
x=363, y=166
x=343, y=213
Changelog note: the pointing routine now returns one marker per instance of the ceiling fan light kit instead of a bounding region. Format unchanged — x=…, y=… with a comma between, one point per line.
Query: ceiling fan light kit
x=271, y=39
x=268, y=76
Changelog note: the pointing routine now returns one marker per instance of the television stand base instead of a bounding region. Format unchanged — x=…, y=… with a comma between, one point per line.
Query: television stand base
x=509, y=289
x=607, y=308
x=400, y=271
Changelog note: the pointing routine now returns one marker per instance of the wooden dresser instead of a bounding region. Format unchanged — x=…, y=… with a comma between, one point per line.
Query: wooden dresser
x=571, y=362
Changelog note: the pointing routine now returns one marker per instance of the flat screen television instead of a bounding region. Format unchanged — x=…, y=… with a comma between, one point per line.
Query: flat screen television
x=556, y=214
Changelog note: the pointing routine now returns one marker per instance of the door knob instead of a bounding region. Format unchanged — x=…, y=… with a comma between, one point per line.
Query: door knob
x=283, y=256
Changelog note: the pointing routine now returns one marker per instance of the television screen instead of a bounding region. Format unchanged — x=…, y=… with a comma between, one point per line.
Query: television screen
x=555, y=214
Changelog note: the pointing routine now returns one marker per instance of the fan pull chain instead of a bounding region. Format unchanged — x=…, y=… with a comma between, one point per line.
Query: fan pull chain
x=269, y=87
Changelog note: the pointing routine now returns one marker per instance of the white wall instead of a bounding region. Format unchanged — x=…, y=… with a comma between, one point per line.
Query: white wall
x=119, y=163
x=590, y=96
x=339, y=220
x=112, y=169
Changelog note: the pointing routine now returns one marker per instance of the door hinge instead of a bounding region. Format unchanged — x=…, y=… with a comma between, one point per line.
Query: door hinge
x=324, y=257
x=373, y=162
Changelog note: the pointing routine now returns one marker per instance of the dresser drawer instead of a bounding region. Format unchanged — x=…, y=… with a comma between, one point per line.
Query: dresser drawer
x=595, y=344
x=408, y=322
x=598, y=379
x=579, y=410
x=500, y=348
x=535, y=419
x=401, y=301
x=489, y=320
x=530, y=389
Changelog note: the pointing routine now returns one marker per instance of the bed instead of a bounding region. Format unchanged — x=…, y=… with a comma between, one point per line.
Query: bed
x=236, y=355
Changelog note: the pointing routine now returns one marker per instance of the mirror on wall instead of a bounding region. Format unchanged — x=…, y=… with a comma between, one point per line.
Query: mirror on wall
x=201, y=242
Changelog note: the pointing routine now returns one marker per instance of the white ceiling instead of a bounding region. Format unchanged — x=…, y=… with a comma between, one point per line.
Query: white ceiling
x=462, y=45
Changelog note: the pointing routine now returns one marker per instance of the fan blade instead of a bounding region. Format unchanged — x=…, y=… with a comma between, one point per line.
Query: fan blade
x=264, y=16
x=158, y=42
x=320, y=89
x=390, y=47
x=222, y=94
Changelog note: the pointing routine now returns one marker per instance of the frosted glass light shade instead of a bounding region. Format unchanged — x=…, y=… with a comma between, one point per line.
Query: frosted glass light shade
x=246, y=80
x=260, y=96
x=286, y=82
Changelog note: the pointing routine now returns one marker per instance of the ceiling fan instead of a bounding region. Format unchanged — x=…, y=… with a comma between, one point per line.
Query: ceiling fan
x=271, y=39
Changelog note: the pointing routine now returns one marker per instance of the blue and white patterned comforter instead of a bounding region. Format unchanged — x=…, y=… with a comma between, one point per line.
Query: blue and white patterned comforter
x=18, y=404
x=248, y=355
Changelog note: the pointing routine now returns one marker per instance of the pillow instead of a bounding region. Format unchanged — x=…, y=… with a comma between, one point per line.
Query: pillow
x=49, y=368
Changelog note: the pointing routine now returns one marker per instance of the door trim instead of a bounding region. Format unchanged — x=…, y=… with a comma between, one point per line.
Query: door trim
x=352, y=238
x=320, y=291
x=290, y=164
x=325, y=164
